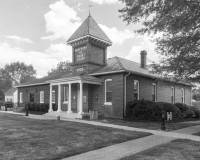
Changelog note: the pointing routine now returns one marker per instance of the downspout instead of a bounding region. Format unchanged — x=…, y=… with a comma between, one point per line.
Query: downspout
x=125, y=93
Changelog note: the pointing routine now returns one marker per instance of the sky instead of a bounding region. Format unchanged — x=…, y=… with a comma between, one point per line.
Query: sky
x=35, y=32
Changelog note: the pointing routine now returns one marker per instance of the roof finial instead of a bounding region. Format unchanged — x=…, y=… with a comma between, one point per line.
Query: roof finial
x=89, y=9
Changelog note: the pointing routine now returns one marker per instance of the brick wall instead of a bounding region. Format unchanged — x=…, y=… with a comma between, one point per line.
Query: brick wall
x=163, y=90
x=114, y=110
x=32, y=90
x=97, y=55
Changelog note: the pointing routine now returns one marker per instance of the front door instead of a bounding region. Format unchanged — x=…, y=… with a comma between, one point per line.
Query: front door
x=78, y=97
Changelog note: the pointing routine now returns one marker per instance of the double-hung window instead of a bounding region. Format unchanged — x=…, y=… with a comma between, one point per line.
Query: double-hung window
x=172, y=94
x=41, y=96
x=21, y=97
x=154, y=92
x=108, y=91
x=183, y=95
x=136, y=90
x=53, y=97
x=66, y=93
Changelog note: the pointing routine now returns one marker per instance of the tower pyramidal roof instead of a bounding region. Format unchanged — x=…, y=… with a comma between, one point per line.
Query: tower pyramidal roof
x=89, y=28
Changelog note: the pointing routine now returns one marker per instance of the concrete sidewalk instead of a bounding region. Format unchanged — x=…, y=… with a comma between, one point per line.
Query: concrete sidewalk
x=122, y=150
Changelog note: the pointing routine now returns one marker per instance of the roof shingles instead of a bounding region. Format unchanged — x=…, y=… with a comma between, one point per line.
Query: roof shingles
x=89, y=28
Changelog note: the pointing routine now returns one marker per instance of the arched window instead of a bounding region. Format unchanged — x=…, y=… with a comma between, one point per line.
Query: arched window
x=108, y=91
x=154, y=96
x=136, y=90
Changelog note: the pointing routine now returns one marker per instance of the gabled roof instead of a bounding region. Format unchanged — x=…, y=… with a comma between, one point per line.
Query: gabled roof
x=10, y=91
x=89, y=28
x=43, y=80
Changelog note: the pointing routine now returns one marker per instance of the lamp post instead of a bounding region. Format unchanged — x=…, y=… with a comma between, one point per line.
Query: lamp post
x=163, y=127
x=26, y=107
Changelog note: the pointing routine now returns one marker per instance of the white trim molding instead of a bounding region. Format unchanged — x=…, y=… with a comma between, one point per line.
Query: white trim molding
x=54, y=100
x=138, y=89
x=107, y=103
x=154, y=91
x=183, y=95
x=41, y=96
x=21, y=97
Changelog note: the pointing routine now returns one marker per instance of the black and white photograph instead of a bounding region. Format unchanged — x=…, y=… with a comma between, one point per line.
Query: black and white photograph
x=100, y=80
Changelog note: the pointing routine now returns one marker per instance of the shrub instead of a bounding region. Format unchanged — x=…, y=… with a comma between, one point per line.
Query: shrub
x=190, y=114
x=168, y=107
x=46, y=107
x=37, y=107
x=196, y=111
x=144, y=110
x=32, y=106
x=27, y=105
x=183, y=107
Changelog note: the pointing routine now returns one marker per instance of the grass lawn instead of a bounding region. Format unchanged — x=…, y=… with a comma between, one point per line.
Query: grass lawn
x=176, y=150
x=24, y=138
x=147, y=125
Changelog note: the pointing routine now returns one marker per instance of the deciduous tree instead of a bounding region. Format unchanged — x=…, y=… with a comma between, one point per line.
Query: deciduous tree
x=19, y=70
x=178, y=24
x=61, y=67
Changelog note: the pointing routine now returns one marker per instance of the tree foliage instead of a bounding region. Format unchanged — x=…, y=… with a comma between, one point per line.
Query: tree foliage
x=5, y=83
x=178, y=24
x=61, y=67
x=19, y=71
x=16, y=71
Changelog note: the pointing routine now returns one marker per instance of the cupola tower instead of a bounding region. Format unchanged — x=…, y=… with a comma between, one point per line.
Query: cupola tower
x=89, y=47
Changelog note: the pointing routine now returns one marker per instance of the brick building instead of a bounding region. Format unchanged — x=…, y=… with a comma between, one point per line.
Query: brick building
x=96, y=83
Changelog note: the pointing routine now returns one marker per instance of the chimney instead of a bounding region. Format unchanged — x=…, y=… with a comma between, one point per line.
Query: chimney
x=143, y=59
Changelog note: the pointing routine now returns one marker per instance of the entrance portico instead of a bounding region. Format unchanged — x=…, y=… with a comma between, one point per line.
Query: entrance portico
x=77, y=97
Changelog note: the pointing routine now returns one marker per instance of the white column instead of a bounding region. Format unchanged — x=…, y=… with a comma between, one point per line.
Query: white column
x=50, y=100
x=81, y=98
x=59, y=98
x=69, y=99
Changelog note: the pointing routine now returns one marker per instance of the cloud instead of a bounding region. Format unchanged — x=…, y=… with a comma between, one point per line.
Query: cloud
x=105, y=1
x=19, y=39
x=42, y=62
x=60, y=51
x=145, y=44
x=109, y=55
x=61, y=21
x=117, y=36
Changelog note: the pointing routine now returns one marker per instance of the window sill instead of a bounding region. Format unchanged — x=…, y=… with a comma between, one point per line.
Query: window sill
x=66, y=102
x=108, y=103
